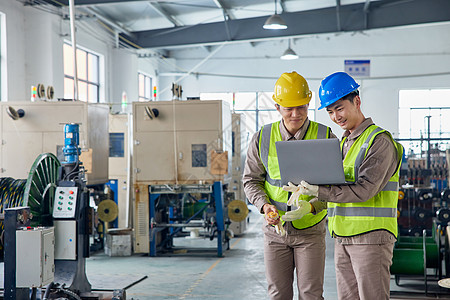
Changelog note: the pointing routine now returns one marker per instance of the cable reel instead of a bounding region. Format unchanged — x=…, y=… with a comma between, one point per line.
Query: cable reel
x=416, y=231
x=421, y=214
x=37, y=191
x=41, y=91
x=401, y=195
x=425, y=196
x=107, y=210
x=237, y=211
x=446, y=195
x=443, y=215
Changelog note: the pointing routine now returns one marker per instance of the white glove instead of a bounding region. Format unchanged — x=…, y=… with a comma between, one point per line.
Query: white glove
x=280, y=229
x=304, y=208
x=296, y=192
x=308, y=189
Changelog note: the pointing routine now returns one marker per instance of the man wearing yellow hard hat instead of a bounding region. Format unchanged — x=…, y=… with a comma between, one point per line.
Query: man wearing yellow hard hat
x=294, y=230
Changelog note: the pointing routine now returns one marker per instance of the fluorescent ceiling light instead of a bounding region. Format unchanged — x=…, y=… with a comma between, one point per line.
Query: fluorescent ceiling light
x=275, y=22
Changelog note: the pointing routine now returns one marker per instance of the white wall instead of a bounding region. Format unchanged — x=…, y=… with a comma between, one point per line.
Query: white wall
x=34, y=54
x=400, y=58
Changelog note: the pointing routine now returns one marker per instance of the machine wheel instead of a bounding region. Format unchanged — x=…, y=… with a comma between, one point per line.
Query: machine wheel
x=40, y=188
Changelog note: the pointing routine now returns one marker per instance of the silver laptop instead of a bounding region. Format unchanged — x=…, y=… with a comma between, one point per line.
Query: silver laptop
x=314, y=161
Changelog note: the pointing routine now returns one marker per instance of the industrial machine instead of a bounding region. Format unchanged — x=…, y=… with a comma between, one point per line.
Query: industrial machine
x=182, y=162
x=239, y=152
x=119, y=166
x=422, y=249
x=28, y=129
x=47, y=224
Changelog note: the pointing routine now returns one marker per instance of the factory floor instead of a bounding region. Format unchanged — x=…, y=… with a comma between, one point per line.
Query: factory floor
x=203, y=275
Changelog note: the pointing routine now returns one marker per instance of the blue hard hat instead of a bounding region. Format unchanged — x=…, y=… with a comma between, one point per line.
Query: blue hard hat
x=334, y=87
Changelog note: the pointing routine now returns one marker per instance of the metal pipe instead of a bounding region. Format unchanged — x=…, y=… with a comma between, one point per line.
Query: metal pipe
x=178, y=225
x=429, y=144
x=74, y=48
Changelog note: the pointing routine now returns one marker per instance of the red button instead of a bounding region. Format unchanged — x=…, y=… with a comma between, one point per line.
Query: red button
x=70, y=192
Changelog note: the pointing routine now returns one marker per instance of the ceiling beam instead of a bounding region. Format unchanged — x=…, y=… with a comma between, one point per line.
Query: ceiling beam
x=383, y=14
x=164, y=13
x=90, y=2
x=225, y=9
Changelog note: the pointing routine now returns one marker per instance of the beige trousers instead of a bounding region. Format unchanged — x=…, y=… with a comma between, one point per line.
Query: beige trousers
x=301, y=251
x=362, y=271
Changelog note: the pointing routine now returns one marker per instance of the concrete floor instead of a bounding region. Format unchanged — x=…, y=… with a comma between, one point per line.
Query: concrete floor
x=203, y=275
x=237, y=275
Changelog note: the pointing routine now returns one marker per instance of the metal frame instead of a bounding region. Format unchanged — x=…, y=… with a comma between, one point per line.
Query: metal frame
x=215, y=189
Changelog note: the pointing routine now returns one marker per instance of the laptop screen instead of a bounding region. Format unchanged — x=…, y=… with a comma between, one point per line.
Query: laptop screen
x=314, y=161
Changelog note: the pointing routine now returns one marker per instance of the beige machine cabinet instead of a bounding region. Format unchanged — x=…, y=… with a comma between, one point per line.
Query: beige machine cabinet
x=177, y=146
x=41, y=130
x=189, y=142
x=118, y=162
x=240, y=141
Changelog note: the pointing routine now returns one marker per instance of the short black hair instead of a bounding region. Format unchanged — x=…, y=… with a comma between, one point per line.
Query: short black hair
x=351, y=96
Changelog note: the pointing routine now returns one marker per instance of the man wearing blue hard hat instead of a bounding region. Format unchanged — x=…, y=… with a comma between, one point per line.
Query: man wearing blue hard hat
x=362, y=217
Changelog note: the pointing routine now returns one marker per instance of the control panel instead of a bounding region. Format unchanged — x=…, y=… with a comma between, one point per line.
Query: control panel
x=65, y=202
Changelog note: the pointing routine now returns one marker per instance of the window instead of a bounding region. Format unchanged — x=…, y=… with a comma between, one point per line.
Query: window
x=145, y=87
x=258, y=108
x=87, y=71
x=424, y=113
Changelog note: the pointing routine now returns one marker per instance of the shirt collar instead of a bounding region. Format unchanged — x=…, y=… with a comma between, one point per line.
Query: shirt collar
x=360, y=129
x=286, y=136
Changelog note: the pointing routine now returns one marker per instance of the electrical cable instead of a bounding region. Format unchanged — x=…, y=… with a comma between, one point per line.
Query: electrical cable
x=11, y=194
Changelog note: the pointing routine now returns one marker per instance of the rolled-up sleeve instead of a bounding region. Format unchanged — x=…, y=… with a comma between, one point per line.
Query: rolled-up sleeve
x=375, y=171
x=254, y=176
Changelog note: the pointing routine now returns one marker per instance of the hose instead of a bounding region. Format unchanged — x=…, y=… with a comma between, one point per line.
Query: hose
x=47, y=290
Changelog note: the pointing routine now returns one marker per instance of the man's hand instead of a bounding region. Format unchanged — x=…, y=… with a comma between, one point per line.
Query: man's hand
x=296, y=192
x=273, y=218
x=308, y=189
x=304, y=208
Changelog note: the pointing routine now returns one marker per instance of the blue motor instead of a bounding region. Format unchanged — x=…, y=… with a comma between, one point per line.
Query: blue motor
x=71, y=141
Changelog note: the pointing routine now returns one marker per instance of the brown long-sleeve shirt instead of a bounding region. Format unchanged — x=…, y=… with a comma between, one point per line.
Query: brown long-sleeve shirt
x=376, y=169
x=254, y=174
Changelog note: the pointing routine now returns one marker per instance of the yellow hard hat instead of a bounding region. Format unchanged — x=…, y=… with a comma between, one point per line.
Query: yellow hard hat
x=291, y=90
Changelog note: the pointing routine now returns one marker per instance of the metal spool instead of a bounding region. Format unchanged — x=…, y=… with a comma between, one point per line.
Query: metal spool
x=446, y=195
x=37, y=191
x=425, y=196
x=416, y=231
x=443, y=215
x=421, y=214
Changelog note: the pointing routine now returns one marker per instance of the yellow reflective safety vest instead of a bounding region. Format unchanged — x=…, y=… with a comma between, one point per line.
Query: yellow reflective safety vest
x=268, y=135
x=378, y=212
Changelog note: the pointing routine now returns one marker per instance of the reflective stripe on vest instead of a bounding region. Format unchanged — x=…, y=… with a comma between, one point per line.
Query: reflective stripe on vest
x=270, y=134
x=385, y=212
x=378, y=212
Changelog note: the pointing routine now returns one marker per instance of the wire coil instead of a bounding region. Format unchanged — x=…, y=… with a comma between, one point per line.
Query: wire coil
x=11, y=192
